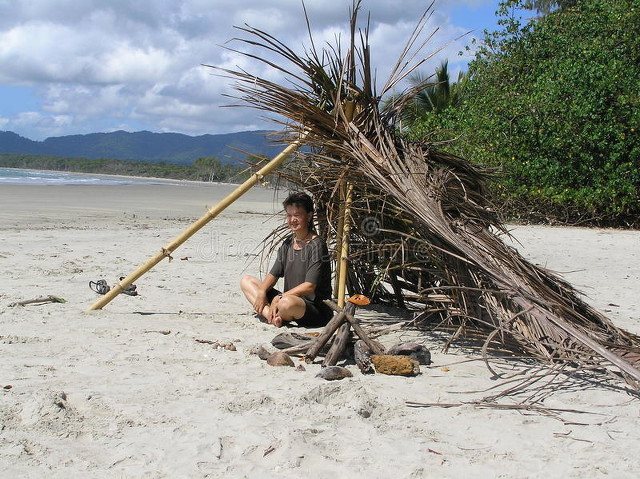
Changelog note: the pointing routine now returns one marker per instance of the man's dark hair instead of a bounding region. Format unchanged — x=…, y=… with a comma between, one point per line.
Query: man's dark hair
x=300, y=199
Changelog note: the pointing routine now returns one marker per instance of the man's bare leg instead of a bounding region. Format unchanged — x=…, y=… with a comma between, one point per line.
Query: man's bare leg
x=250, y=286
x=281, y=310
x=289, y=308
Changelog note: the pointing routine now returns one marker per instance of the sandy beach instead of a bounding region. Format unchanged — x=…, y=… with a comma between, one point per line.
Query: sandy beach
x=135, y=391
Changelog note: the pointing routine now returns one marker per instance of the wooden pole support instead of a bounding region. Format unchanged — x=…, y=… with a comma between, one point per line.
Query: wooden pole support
x=339, y=232
x=342, y=338
x=343, y=271
x=356, y=328
x=324, y=336
x=191, y=230
x=344, y=225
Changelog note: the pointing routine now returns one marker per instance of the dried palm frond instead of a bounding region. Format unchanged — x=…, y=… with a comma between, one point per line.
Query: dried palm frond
x=422, y=229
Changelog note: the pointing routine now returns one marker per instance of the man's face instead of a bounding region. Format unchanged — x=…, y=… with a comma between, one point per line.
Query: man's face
x=297, y=218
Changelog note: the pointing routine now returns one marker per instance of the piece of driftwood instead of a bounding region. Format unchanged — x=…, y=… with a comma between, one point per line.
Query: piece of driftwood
x=302, y=349
x=41, y=300
x=342, y=338
x=346, y=315
x=373, y=346
x=362, y=355
x=324, y=336
x=377, y=331
x=286, y=340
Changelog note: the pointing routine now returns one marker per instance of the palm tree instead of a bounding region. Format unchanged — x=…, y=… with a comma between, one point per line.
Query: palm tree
x=429, y=97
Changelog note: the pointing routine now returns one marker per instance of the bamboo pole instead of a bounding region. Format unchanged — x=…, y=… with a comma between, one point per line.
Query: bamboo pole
x=344, y=250
x=339, y=231
x=344, y=225
x=191, y=230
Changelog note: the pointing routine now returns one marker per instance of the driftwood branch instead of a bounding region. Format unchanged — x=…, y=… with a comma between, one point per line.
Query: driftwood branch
x=356, y=326
x=342, y=338
x=549, y=411
x=376, y=331
x=41, y=300
x=339, y=345
x=292, y=343
x=324, y=336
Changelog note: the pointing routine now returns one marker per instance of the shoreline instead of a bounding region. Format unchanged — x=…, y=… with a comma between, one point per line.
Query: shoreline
x=185, y=182
x=116, y=176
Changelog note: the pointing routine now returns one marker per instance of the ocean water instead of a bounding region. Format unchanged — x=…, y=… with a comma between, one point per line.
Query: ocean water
x=12, y=176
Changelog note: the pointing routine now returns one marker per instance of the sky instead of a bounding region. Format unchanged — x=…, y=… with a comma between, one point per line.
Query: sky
x=83, y=66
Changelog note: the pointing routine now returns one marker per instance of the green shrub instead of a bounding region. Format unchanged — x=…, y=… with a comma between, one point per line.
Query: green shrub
x=554, y=104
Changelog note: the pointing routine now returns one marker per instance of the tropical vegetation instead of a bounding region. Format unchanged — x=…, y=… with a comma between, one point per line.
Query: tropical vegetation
x=553, y=104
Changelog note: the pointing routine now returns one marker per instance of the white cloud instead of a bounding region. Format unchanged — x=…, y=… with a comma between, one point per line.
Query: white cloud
x=52, y=124
x=95, y=62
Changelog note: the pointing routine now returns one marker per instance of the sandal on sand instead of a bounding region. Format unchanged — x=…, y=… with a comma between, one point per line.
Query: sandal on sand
x=130, y=290
x=100, y=286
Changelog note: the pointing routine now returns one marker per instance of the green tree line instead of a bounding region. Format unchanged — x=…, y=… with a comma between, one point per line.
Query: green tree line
x=552, y=103
x=203, y=169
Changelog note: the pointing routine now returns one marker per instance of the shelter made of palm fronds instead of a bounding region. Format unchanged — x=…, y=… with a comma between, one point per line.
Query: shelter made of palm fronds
x=422, y=228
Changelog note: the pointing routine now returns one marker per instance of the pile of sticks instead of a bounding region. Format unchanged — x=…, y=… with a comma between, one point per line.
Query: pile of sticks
x=337, y=333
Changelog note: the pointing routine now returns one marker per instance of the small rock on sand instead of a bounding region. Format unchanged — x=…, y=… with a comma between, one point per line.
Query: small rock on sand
x=332, y=373
x=413, y=350
x=280, y=359
x=260, y=351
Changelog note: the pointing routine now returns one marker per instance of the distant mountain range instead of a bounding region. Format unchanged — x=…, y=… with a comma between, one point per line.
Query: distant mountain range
x=145, y=146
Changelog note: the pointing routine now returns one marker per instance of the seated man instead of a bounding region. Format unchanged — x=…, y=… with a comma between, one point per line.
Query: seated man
x=303, y=261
